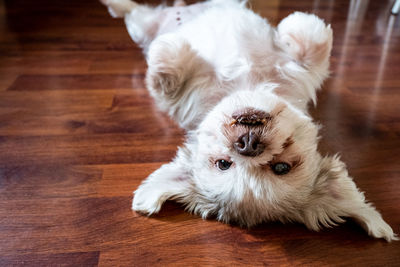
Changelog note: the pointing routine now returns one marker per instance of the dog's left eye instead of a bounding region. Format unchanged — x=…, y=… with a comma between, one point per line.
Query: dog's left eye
x=223, y=165
x=280, y=168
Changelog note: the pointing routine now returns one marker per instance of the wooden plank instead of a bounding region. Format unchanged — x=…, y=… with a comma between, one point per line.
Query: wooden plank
x=62, y=259
x=29, y=82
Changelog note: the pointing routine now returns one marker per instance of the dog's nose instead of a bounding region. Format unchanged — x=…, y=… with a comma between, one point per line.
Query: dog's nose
x=249, y=145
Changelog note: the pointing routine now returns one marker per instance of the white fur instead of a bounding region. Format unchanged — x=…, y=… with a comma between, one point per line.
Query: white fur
x=218, y=58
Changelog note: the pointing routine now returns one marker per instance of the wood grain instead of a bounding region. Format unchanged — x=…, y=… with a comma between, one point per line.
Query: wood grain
x=79, y=132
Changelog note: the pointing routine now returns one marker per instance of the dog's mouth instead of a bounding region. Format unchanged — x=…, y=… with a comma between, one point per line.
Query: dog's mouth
x=250, y=117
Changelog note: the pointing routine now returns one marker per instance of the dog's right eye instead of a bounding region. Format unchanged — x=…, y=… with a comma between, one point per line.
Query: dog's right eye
x=280, y=168
x=223, y=165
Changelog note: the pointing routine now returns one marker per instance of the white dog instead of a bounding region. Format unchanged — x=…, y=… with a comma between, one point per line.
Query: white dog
x=240, y=88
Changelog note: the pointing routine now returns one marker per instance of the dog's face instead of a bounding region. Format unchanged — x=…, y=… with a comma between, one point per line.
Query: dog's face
x=255, y=149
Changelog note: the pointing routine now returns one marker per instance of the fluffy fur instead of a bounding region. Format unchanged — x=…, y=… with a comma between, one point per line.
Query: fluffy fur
x=206, y=62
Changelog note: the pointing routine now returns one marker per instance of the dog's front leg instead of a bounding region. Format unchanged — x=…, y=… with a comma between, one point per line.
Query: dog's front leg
x=307, y=40
x=171, y=181
x=179, y=79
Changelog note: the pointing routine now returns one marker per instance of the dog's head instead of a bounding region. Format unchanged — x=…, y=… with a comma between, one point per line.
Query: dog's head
x=253, y=153
x=256, y=132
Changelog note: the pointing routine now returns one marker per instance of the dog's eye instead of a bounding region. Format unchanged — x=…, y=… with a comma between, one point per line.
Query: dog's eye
x=280, y=168
x=223, y=165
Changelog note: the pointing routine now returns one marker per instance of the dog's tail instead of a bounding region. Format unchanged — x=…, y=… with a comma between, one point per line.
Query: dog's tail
x=119, y=8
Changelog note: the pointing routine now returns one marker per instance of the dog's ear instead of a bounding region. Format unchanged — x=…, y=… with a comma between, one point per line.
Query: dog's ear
x=336, y=196
x=170, y=181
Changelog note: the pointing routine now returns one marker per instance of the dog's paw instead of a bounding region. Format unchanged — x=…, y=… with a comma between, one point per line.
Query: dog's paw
x=378, y=228
x=168, y=61
x=147, y=200
x=162, y=82
x=118, y=8
x=306, y=38
x=306, y=26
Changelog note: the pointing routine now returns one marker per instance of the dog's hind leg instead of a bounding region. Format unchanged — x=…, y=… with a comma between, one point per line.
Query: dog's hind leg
x=145, y=23
x=142, y=21
x=179, y=3
x=119, y=8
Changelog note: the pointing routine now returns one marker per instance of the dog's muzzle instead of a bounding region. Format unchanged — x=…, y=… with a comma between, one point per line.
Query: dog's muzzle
x=249, y=144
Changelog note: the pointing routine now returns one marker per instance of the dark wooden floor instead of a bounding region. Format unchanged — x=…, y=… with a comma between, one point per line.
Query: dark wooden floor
x=78, y=133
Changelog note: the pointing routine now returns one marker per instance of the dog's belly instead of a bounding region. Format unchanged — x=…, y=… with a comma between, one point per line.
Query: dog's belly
x=175, y=17
x=224, y=41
